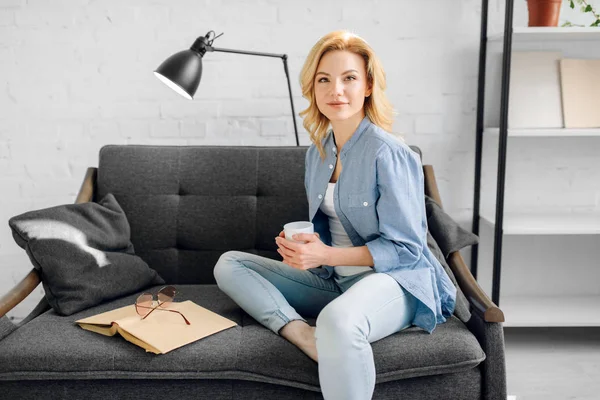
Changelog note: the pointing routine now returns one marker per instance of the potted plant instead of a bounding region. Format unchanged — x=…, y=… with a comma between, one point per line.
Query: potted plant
x=543, y=12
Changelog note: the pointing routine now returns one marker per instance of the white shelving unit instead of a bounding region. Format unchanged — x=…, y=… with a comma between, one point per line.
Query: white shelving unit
x=551, y=311
x=547, y=224
x=550, y=34
x=566, y=133
x=533, y=293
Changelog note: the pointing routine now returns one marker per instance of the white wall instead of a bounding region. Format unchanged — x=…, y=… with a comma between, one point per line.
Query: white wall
x=77, y=74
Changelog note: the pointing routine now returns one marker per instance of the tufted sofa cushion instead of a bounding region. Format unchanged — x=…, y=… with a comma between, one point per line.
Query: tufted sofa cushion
x=246, y=351
x=187, y=205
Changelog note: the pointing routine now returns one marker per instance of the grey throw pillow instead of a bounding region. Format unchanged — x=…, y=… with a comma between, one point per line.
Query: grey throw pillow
x=461, y=310
x=449, y=236
x=83, y=253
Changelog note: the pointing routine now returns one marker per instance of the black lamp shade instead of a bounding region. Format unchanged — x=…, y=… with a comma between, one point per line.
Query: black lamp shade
x=181, y=72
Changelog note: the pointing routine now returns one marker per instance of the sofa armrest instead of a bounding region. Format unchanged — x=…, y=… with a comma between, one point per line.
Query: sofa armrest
x=480, y=302
x=490, y=336
x=33, y=279
x=88, y=186
x=19, y=292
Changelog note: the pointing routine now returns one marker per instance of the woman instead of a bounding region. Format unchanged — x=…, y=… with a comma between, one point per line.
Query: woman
x=366, y=272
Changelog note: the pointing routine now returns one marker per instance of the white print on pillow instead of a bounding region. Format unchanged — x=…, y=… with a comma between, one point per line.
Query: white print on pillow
x=49, y=229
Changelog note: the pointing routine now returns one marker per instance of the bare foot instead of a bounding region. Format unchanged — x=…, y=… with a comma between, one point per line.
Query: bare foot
x=301, y=335
x=311, y=344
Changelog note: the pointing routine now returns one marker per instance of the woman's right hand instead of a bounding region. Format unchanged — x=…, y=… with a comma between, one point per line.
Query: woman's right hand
x=283, y=248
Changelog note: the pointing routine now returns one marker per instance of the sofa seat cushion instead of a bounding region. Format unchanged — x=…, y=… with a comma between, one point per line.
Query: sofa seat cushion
x=54, y=347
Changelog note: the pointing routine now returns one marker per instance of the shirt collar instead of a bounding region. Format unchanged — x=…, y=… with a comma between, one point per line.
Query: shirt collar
x=353, y=139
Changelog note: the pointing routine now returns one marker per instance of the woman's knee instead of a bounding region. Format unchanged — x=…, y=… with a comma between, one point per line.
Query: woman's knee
x=340, y=324
x=225, y=265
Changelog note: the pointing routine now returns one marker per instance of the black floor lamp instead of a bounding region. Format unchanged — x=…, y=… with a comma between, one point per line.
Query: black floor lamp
x=182, y=71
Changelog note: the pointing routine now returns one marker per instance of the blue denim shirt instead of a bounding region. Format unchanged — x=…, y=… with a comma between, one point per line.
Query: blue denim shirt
x=379, y=199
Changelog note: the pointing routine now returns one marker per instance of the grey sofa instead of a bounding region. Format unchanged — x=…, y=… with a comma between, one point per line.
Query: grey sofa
x=186, y=206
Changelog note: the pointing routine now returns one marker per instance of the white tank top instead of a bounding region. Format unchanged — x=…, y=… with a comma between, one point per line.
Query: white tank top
x=339, y=238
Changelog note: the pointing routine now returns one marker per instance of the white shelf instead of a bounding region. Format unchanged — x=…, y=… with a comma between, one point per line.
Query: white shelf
x=546, y=132
x=536, y=34
x=547, y=223
x=546, y=311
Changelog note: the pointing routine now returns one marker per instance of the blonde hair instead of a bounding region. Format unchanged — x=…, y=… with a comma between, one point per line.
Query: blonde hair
x=377, y=107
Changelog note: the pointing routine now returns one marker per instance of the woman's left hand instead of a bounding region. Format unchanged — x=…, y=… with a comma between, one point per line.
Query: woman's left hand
x=311, y=254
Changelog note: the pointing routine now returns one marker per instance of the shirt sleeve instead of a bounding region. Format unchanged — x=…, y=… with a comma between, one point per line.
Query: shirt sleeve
x=400, y=211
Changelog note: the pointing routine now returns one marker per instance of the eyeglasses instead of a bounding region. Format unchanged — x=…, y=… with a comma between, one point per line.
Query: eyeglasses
x=143, y=304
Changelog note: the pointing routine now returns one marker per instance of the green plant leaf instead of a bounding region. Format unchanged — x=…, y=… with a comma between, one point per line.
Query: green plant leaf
x=597, y=23
x=588, y=8
x=572, y=4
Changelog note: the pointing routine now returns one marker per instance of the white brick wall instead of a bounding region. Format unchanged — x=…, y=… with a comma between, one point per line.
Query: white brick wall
x=75, y=75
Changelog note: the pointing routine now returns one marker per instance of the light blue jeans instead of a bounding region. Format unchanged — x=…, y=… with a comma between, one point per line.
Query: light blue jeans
x=351, y=312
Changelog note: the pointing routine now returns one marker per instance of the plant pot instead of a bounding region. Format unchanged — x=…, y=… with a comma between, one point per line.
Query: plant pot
x=543, y=12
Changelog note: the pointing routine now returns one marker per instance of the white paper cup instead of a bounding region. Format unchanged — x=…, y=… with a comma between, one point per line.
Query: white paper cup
x=293, y=228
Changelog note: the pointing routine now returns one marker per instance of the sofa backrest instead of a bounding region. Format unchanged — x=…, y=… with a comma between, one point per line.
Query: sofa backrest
x=187, y=205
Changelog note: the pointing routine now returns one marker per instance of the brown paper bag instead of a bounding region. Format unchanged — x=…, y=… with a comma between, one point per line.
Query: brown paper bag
x=161, y=331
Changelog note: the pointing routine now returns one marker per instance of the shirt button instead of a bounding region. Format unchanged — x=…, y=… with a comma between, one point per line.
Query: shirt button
x=330, y=166
x=365, y=204
x=320, y=196
x=334, y=149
